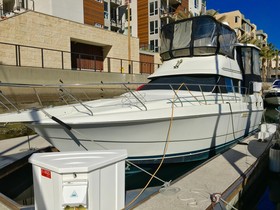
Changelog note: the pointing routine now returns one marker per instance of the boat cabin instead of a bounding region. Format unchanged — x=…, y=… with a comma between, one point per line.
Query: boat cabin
x=198, y=36
x=248, y=59
x=202, y=50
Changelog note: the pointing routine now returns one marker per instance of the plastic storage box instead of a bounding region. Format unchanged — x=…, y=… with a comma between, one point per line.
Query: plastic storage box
x=79, y=180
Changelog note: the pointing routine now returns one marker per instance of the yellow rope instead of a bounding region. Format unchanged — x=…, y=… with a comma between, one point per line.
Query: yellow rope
x=164, y=153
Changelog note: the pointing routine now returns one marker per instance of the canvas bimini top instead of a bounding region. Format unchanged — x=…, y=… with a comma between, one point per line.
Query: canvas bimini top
x=198, y=36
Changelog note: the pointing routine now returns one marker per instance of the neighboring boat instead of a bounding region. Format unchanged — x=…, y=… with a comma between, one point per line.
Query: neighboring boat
x=272, y=95
x=204, y=97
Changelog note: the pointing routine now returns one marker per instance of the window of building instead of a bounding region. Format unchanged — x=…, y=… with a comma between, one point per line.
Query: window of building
x=99, y=1
x=106, y=14
x=156, y=7
x=126, y=14
x=236, y=19
x=154, y=27
x=153, y=8
x=196, y=3
x=154, y=45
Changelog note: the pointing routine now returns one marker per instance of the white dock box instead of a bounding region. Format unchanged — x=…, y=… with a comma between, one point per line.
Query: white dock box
x=88, y=180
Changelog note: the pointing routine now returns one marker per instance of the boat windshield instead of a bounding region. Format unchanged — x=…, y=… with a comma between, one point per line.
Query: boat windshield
x=205, y=83
x=198, y=36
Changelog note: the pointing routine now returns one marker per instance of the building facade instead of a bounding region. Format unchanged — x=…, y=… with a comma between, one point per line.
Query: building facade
x=261, y=37
x=146, y=16
x=244, y=29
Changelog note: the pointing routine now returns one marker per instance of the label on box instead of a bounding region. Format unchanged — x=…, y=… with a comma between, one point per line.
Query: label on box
x=46, y=173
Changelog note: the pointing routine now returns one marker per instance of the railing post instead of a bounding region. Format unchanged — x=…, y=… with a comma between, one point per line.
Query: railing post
x=42, y=57
x=19, y=59
x=62, y=60
x=16, y=51
x=94, y=57
x=109, y=65
x=131, y=67
x=121, y=67
x=80, y=64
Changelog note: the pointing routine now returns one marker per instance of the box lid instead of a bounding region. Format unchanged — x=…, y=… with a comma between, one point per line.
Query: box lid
x=77, y=161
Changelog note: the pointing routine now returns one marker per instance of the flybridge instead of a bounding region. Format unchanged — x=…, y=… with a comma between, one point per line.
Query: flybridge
x=198, y=36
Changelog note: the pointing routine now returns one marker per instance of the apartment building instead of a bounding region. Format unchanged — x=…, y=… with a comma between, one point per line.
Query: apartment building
x=162, y=12
x=261, y=37
x=146, y=16
x=143, y=19
x=244, y=29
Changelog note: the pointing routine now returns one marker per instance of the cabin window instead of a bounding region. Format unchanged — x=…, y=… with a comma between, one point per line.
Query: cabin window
x=227, y=40
x=206, y=83
x=181, y=44
x=229, y=85
x=256, y=62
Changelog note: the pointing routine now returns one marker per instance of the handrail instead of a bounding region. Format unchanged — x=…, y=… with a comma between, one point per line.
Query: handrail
x=9, y=102
x=173, y=101
x=78, y=101
x=202, y=94
x=144, y=67
x=135, y=96
x=191, y=93
x=196, y=93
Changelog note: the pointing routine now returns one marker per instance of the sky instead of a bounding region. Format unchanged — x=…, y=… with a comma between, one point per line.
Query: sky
x=264, y=14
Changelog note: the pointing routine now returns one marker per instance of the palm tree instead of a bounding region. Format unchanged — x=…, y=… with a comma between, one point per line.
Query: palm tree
x=267, y=54
x=277, y=54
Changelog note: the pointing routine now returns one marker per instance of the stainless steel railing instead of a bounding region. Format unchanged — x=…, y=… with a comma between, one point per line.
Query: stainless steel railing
x=15, y=97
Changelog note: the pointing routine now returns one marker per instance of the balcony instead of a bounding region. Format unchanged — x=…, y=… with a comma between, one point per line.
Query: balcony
x=167, y=12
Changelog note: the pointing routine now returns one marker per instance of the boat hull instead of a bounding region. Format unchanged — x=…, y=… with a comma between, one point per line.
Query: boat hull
x=186, y=138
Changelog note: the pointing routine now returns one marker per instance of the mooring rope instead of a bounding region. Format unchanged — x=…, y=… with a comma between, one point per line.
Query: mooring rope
x=164, y=152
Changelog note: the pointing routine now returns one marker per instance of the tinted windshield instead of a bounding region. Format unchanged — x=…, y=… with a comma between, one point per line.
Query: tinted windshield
x=206, y=83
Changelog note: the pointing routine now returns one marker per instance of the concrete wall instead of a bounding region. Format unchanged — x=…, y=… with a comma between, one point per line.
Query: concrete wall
x=44, y=31
x=82, y=84
x=29, y=75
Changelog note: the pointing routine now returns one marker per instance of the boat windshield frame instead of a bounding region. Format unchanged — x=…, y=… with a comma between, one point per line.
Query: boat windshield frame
x=197, y=36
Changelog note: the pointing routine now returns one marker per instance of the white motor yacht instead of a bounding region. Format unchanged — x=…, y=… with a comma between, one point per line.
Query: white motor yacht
x=202, y=99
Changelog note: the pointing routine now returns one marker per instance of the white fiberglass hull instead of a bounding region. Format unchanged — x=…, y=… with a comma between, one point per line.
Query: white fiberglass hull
x=195, y=132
